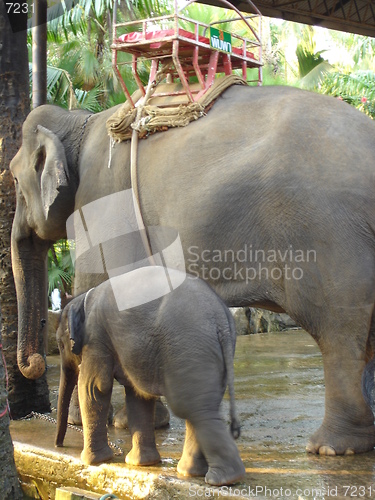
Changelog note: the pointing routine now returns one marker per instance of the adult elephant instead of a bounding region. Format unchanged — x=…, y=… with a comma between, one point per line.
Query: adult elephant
x=273, y=196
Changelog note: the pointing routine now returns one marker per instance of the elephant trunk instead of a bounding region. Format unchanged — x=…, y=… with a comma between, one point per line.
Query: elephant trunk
x=68, y=379
x=29, y=262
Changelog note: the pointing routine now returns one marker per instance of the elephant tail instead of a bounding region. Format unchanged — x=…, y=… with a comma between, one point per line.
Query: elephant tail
x=368, y=375
x=227, y=340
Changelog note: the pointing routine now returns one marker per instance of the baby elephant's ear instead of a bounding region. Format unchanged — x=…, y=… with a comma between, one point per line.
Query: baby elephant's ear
x=76, y=323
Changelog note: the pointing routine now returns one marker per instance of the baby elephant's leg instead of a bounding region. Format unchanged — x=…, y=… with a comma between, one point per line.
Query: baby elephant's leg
x=94, y=391
x=192, y=462
x=141, y=425
x=224, y=463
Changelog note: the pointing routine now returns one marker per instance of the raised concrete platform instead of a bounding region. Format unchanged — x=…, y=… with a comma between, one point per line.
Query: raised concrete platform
x=280, y=397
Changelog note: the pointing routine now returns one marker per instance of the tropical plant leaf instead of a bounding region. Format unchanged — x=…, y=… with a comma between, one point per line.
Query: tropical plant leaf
x=315, y=76
x=56, y=279
x=307, y=60
x=90, y=100
x=60, y=267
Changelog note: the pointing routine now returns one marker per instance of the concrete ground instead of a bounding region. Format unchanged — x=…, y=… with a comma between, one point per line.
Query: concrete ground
x=280, y=399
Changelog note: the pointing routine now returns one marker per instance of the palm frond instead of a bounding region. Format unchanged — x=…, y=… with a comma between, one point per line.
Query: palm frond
x=307, y=60
x=56, y=279
x=316, y=75
x=90, y=99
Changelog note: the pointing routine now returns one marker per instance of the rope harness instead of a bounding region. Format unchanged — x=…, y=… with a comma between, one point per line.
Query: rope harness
x=117, y=450
x=137, y=126
x=135, y=123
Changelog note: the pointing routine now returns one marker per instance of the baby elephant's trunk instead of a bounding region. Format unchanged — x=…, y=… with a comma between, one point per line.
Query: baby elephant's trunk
x=68, y=380
x=227, y=340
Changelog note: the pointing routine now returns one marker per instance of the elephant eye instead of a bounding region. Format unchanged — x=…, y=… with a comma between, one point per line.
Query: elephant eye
x=16, y=180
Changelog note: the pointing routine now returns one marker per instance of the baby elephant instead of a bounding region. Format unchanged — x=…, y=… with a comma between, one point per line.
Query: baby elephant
x=180, y=345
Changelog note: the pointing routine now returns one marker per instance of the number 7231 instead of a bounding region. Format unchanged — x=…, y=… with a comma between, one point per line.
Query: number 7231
x=19, y=8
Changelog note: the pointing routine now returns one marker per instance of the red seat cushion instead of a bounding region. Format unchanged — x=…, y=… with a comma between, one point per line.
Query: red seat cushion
x=137, y=36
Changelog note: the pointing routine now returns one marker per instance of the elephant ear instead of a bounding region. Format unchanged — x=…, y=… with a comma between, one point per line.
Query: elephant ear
x=76, y=323
x=51, y=162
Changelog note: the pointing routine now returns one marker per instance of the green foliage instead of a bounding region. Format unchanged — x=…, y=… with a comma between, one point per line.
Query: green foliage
x=352, y=81
x=60, y=267
x=356, y=88
x=80, y=72
x=270, y=76
x=360, y=49
x=313, y=78
x=207, y=14
x=307, y=57
x=79, y=54
x=307, y=60
x=312, y=67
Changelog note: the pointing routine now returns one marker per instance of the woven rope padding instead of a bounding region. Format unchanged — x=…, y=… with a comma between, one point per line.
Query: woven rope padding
x=153, y=118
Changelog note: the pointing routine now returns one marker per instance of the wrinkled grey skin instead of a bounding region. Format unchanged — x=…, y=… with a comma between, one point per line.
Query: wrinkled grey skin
x=274, y=168
x=180, y=346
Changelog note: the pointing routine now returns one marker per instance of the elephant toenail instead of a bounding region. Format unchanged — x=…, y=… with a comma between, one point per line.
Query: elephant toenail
x=310, y=448
x=327, y=450
x=349, y=451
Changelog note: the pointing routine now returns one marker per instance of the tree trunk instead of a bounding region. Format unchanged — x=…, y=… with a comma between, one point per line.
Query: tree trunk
x=24, y=395
x=9, y=483
x=40, y=53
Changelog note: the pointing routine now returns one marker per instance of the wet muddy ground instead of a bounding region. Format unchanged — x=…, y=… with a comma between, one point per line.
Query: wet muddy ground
x=280, y=400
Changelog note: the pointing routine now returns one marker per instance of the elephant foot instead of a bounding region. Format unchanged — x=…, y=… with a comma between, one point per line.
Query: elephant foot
x=221, y=476
x=328, y=443
x=120, y=420
x=146, y=456
x=91, y=457
x=192, y=466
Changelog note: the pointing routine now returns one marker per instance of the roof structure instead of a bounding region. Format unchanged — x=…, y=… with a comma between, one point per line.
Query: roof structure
x=353, y=16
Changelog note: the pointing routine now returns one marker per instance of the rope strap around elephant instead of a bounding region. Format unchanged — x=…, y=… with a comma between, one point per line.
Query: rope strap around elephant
x=136, y=126
x=131, y=123
x=147, y=119
x=41, y=416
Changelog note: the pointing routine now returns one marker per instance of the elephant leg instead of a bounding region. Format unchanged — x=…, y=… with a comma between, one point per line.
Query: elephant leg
x=141, y=425
x=192, y=462
x=74, y=416
x=348, y=424
x=224, y=462
x=161, y=419
x=94, y=391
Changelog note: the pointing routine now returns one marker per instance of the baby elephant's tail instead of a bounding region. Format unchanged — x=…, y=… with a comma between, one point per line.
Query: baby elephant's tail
x=227, y=340
x=368, y=384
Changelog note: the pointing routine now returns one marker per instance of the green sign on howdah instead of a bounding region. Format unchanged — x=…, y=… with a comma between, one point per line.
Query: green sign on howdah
x=221, y=40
